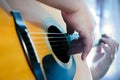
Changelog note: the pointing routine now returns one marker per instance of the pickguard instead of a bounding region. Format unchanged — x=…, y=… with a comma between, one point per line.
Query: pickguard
x=54, y=71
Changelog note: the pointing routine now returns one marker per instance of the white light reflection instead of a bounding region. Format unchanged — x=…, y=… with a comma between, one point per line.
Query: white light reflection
x=96, y=34
x=109, y=29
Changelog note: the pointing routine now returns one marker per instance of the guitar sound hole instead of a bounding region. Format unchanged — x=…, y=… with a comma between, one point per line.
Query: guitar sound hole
x=59, y=43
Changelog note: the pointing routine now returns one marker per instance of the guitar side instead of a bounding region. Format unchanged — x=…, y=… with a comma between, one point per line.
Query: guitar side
x=14, y=65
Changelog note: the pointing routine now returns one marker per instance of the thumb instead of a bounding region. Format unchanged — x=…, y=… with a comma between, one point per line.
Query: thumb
x=98, y=50
x=87, y=47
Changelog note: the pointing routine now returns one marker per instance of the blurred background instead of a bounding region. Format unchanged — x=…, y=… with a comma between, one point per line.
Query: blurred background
x=107, y=17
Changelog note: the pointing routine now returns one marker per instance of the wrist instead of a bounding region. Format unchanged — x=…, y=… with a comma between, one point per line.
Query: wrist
x=74, y=7
x=95, y=73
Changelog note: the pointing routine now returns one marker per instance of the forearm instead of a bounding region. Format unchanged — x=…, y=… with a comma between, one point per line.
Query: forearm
x=94, y=73
x=98, y=71
x=30, y=10
x=68, y=6
x=5, y=6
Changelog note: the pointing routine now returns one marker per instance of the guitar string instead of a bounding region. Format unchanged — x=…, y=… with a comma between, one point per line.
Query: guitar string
x=63, y=45
x=57, y=49
x=40, y=43
x=63, y=37
x=36, y=33
x=42, y=33
x=38, y=37
x=63, y=42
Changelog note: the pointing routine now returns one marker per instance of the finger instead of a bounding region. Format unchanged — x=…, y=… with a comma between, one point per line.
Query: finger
x=70, y=30
x=87, y=47
x=107, y=41
x=75, y=47
x=105, y=35
x=117, y=48
x=105, y=47
x=98, y=50
x=109, y=53
x=98, y=54
x=113, y=41
x=112, y=44
x=116, y=44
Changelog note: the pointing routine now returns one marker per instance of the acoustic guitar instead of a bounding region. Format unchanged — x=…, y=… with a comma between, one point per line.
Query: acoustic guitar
x=31, y=53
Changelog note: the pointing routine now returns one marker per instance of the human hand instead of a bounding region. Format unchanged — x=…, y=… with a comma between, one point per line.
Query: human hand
x=102, y=61
x=81, y=22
